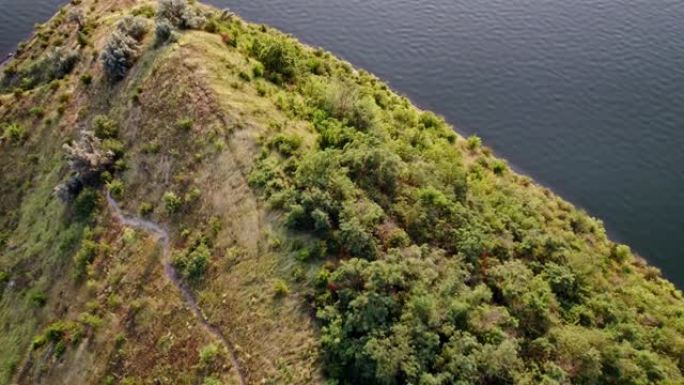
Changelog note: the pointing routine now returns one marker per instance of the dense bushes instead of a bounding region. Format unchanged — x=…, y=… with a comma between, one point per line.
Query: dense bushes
x=446, y=267
x=279, y=57
x=56, y=64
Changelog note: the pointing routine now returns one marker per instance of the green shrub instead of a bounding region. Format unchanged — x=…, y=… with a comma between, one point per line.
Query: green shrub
x=116, y=188
x=144, y=11
x=287, y=145
x=38, y=342
x=278, y=56
x=357, y=240
x=151, y=147
x=316, y=66
x=59, y=334
x=212, y=381
x=104, y=127
x=13, y=133
x=261, y=88
x=82, y=38
x=193, y=195
x=115, y=147
x=343, y=101
x=258, y=70
x=198, y=261
x=85, y=255
x=208, y=354
x=211, y=26
x=430, y=120
x=194, y=261
x=621, y=253
x=85, y=204
x=499, y=166
x=172, y=202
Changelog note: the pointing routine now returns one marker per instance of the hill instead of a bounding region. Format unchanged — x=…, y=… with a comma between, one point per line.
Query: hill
x=189, y=198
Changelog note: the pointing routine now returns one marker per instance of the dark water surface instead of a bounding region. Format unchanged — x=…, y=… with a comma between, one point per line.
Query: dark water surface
x=586, y=96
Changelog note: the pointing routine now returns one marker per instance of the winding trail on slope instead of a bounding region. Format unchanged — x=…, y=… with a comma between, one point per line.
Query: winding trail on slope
x=163, y=236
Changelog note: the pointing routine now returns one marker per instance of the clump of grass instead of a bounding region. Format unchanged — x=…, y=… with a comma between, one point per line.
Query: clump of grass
x=185, y=124
x=116, y=188
x=621, y=252
x=258, y=70
x=228, y=39
x=144, y=11
x=208, y=354
x=37, y=112
x=193, y=195
x=37, y=298
x=86, y=79
x=280, y=288
x=244, y=76
x=145, y=208
x=473, y=142
x=499, y=167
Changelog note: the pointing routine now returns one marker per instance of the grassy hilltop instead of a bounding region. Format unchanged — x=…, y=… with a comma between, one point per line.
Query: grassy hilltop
x=331, y=231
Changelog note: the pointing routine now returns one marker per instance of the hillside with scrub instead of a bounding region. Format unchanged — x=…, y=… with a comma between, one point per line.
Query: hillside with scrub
x=190, y=198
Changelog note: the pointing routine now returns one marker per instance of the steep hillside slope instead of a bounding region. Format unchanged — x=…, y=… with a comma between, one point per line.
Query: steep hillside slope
x=188, y=198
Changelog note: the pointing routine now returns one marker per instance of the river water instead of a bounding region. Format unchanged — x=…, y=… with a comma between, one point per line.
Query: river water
x=585, y=96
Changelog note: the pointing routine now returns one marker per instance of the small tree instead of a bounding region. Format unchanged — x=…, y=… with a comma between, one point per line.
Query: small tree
x=119, y=55
x=120, y=52
x=180, y=14
x=87, y=159
x=163, y=32
x=133, y=26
